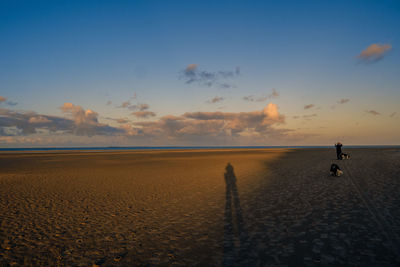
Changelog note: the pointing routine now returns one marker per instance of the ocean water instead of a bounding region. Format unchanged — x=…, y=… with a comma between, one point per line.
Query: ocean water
x=175, y=148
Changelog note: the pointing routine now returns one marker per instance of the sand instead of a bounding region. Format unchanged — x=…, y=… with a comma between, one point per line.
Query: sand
x=211, y=207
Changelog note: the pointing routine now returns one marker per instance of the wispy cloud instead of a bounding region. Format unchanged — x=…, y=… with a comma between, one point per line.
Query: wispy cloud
x=122, y=120
x=309, y=116
x=343, y=101
x=216, y=99
x=143, y=114
x=374, y=53
x=3, y=99
x=139, y=107
x=130, y=106
x=274, y=93
x=309, y=106
x=263, y=98
x=118, y=120
x=393, y=114
x=373, y=112
x=141, y=110
x=109, y=102
x=11, y=103
x=192, y=74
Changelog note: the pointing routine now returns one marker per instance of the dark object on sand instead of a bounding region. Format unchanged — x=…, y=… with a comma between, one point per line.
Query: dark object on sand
x=335, y=170
x=338, y=146
x=344, y=156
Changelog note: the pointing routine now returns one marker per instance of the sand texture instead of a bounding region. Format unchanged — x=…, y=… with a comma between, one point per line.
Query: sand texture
x=270, y=207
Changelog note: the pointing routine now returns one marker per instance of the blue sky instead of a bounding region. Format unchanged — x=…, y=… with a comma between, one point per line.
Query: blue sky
x=88, y=53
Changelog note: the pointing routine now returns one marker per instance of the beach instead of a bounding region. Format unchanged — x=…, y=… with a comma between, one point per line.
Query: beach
x=224, y=207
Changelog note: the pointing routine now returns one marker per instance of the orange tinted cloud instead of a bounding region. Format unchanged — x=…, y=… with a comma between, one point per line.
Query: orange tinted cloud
x=38, y=119
x=191, y=67
x=374, y=52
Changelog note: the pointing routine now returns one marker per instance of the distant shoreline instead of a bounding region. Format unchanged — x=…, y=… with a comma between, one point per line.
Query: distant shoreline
x=139, y=148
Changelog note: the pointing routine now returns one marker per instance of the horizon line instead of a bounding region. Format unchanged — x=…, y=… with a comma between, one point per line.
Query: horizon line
x=181, y=147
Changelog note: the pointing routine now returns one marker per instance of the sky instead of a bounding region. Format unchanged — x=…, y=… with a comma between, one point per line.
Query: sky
x=203, y=73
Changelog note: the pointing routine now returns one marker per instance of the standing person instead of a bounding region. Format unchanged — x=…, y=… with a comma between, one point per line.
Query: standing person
x=338, y=150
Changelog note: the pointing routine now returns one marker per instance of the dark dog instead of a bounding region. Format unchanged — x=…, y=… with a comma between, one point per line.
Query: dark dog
x=344, y=156
x=335, y=170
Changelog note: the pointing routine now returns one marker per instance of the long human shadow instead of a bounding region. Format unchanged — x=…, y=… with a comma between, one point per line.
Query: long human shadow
x=235, y=235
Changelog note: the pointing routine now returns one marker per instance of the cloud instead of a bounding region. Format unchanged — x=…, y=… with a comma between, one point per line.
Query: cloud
x=374, y=53
x=143, y=114
x=343, y=101
x=373, y=112
x=109, y=102
x=10, y=103
x=125, y=104
x=80, y=115
x=141, y=110
x=191, y=68
x=81, y=122
x=139, y=106
x=20, y=140
x=203, y=128
x=393, y=114
x=253, y=98
x=249, y=98
x=192, y=74
x=39, y=119
x=86, y=121
x=131, y=131
x=122, y=120
x=215, y=100
x=225, y=85
x=309, y=106
x=23, y=123
x=307, y=117
x=118, y=120
x=274, y=93
x=310, y=116
x=271, y=111
x=192, y=125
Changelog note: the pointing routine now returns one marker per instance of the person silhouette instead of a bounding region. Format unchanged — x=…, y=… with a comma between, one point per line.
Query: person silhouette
x=338, y=146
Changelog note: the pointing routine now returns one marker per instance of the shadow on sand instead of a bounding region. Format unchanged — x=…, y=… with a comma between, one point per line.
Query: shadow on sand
x=236, y=245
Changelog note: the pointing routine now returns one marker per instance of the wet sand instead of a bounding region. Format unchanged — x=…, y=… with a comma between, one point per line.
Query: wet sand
x=212, y=207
